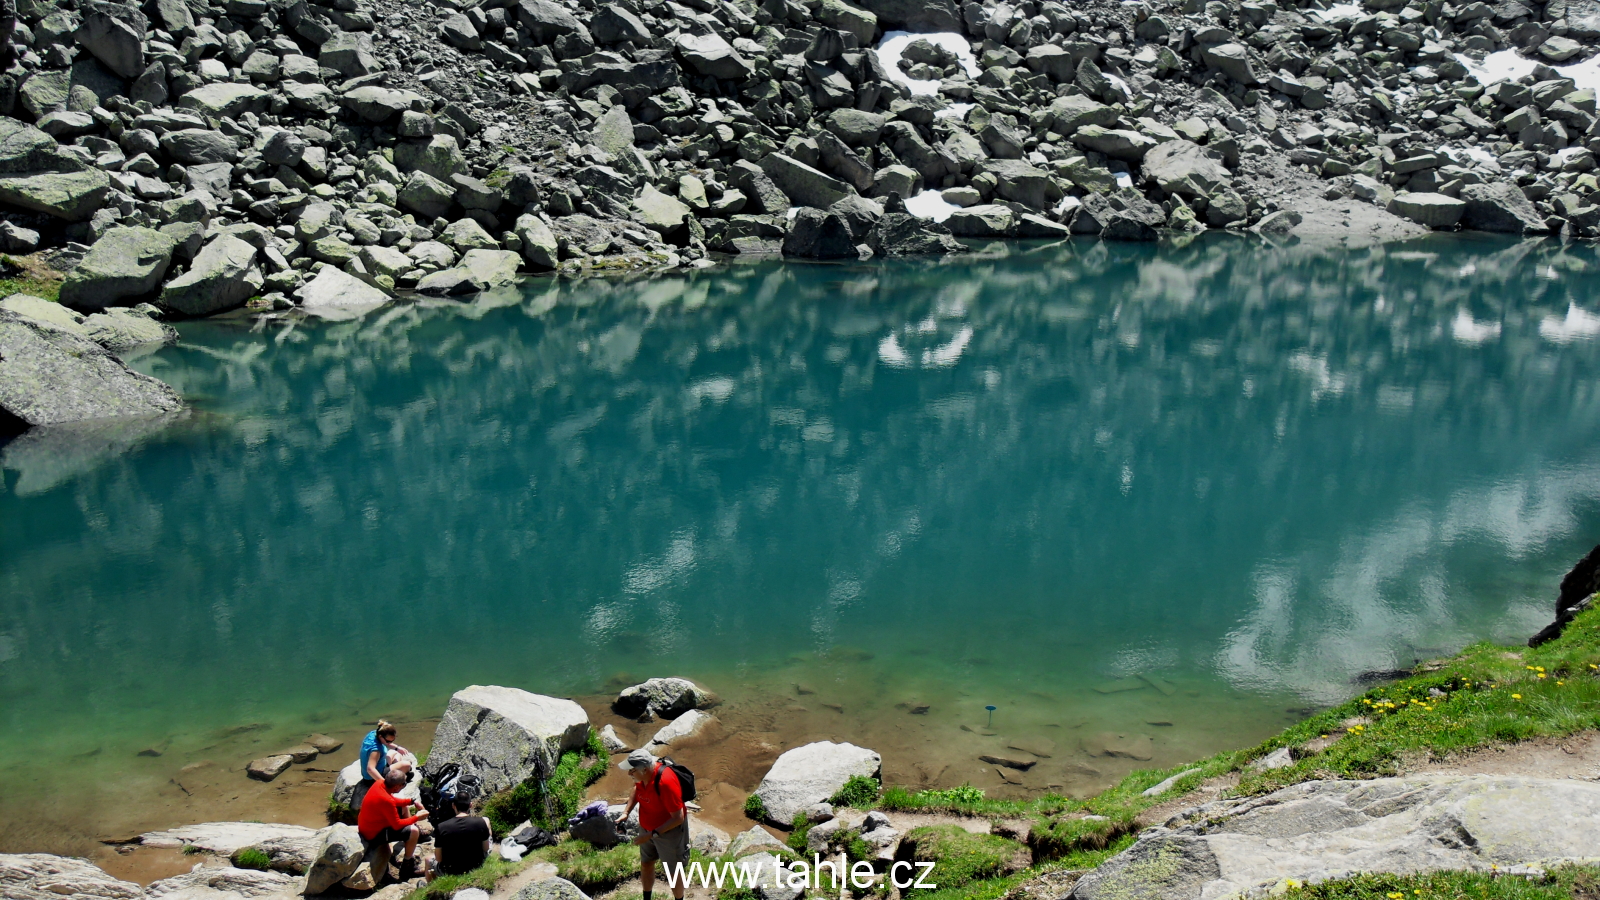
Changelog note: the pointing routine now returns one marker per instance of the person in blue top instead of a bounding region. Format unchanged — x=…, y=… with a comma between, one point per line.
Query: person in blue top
x=378, y=751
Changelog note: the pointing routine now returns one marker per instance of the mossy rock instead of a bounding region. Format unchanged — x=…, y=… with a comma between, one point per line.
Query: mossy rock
x=960, y=856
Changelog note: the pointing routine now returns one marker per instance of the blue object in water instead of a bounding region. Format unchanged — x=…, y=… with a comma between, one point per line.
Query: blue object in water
x=991, y=710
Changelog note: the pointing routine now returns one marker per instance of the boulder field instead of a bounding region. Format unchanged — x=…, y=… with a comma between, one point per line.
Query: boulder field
x=205, y=154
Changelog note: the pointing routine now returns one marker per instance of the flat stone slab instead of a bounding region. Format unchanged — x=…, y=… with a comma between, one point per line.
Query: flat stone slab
x=224, y=838
x=41, y=876
x=1328, y=829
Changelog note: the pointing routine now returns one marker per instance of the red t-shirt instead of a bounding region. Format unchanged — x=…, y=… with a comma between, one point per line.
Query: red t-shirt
x=656, y=807
x=381, y=809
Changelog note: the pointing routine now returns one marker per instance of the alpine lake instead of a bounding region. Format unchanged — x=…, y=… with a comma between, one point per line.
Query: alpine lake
x=1174, y=494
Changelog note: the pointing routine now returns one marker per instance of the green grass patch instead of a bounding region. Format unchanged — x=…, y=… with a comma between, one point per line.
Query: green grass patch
x=590, y=867
x=1484, y=695
x=1563, y=883
x=338, y=813
x=484, y=878
x=252, y=858
x=550, y=802
x=29, y=275
x=799, y=832
x=860, y=792
x=755, y=808
x=965, y=800
x=961, y=857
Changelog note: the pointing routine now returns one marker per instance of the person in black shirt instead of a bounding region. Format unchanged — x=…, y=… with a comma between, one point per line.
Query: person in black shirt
x=461, y=843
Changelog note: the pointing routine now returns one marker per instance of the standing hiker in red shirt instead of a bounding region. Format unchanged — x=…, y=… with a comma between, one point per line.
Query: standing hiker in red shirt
x=380, y=822
x=662, y=816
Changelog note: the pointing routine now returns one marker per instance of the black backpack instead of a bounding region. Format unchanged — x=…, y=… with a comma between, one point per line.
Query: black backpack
x=442, y=788
x=685, y=778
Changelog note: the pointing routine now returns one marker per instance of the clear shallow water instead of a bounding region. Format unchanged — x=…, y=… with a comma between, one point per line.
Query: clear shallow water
x=1252, y=473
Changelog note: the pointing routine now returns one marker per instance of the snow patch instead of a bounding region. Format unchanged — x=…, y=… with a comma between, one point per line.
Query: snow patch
x=1506, y=65
x=1339, y=12
x=930, y=205
x=957, y=111
x=894, y=45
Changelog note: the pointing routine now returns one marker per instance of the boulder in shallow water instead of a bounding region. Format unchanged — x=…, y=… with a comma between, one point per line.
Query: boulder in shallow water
x=505, y=735
x=811, y=774
x=41, y=876
x=1122, y=746
x=49, y=376
x=269, y=767
x=1500, y=207
x=686, y=725
x=664, y=698
x=1326, y=829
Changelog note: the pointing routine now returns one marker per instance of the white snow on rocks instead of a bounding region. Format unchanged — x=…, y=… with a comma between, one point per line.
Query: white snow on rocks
x=894, y=43
x=930, y=205
x=1506, y=65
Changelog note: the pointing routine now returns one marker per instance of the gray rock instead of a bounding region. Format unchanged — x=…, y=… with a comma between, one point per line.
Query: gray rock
x=660, y=213
x=539, y=245
x=1167, y=784
x=459, y=32
x=222, y=276
x=902, y=234
x=225, y=99
x=1233, y=60
x=756, y=840
x=479, y=270
x=426, y=196
x=1022, y=183
x=1326, y=829
x=116, y=329
x=983, y=220
x=439, y=156
x=916, y=15
x=1431, y=210
x=613, y=743
x=1226, y=209
x=1278, y=223
x=802, y=184
x=1185, y=168
x=334, y=293
x=350, y=55
x=268, y=768
x=505, y=735
x=124, y=267
x=199, y=145
x=1076, y=111
x=708, y=839
x=811, y=774
x=284, y=148
x=223, y=883
x=1500, y=207
x=224, y=838
x=819, y=234
x=336, y=858
x=666, y=698
x=50, y=376
x=547, y=20
x=849, y=19
x=36, y=175
x=855, y=127
x=614, y=24
x=41, y=876
x=114, y=33
x=372, y=103
x=551, y=888
x=1115, y=143
x=709, y=54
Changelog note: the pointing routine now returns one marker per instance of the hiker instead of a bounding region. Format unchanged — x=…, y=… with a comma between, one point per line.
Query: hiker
x=461, y=842
x=379, y=750
x=380, y=822
x=663, y=817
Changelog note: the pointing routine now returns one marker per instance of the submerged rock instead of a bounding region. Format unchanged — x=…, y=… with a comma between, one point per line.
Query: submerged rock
x=665, y=698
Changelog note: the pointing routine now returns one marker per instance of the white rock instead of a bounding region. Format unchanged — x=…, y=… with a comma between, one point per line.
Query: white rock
x=811, y=774
x=223, y=838
x=40, y=876
x=506, y=735
x=615, y=744
x=683, y=726
x=334, y=292
x=220, y=880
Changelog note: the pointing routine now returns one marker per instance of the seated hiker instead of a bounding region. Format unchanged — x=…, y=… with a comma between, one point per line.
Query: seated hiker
x=461, y=842
x=380, y=823
x=662, y=816
x=379, y=750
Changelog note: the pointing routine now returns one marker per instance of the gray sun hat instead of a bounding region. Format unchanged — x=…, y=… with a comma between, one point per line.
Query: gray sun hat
x=637, y=759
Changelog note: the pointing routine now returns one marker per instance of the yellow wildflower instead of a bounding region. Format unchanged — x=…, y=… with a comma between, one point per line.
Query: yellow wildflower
x=1516, y=696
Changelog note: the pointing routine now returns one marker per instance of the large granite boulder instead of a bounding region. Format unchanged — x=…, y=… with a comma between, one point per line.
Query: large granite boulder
x=49, y=376
x=114, y=34
x=334, y=293
x=802, y=184
x=1325, y=829
x=811, y=774
x=37, y=175
x=1432, y=210
x=337, y=855
x=478, y=270
x=1185, y=168
x=686, y=725
x=819, y=234
x=916, y=15
x=709, y=54
x=665, y=698
x=1021, y=182
x=117, y=329
x=505, y=735
x=124, y=267
x=223, y=883
x=41, y=876
x=902, y=234
x=1502, y=207
x=222, y=276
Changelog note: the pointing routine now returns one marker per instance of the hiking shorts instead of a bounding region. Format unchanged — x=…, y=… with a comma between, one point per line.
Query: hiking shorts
x=671, y=847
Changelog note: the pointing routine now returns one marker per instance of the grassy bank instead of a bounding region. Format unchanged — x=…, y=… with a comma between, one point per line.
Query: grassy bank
x=1483, y=696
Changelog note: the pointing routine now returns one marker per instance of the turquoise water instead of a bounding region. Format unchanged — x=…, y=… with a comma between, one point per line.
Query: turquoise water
x=1252, y=473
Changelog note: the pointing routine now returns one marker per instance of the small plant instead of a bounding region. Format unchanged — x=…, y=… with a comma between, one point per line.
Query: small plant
x=592, y=869
x=963, y=793
x=755, y=808
x=484, y=878
x=859, y=792
x=252, y=858
x=338, y=813
x=548, y=803
x=192, y=850
x=801, y=830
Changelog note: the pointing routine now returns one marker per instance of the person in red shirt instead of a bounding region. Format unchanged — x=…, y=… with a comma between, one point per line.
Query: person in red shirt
x=662, y=816
x=380, y=821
